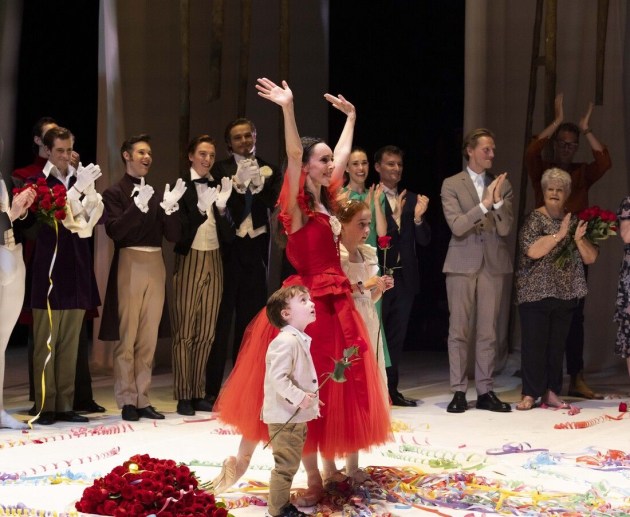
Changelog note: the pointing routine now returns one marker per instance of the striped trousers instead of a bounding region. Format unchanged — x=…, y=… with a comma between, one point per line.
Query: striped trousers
x=197, y=291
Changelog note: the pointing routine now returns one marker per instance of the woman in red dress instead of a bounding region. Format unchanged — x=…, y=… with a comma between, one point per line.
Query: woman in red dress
x=355, y=414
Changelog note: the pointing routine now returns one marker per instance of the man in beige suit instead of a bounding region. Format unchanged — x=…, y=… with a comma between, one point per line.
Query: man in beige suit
x=478, y=210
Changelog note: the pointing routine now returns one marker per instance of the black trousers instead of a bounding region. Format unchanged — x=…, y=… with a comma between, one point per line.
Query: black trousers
x=544, y=328
x=396, y=308
x=244, y=294
x=574, y=350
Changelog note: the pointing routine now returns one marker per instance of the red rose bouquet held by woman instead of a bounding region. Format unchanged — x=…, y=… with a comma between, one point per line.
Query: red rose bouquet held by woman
x=600, y=224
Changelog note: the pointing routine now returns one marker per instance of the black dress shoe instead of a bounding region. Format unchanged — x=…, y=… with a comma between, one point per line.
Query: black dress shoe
x=150, y=412
x=399, y=400
x=46, y=418
x=210, y=399
x=130, y=413
x=459, y=404
x=202, y=405
x=32, y=411
x=71, y=416
x=89, y=407
x=491, y=402
x=185, y=407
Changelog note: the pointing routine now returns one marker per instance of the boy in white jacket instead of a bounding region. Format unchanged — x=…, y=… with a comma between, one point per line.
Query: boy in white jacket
x=290, y=391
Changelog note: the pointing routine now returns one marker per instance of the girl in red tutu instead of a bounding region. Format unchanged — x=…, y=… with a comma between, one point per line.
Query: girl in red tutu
x=355, y=414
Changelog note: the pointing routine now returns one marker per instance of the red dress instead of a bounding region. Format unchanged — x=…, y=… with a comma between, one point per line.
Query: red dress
x=355, y=414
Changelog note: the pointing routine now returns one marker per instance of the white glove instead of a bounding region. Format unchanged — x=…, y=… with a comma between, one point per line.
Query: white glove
x=245, y=170
x=91, y=199
x=145, y=192
x=86, y=176
x=204, y=203
x=224, y=192
x=171, y=197
x=254, y=174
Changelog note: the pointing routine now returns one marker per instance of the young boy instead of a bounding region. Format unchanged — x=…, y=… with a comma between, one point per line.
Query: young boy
x=290, y=383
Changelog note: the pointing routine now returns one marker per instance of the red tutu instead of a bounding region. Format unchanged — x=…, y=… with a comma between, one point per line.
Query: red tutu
x=355, y=414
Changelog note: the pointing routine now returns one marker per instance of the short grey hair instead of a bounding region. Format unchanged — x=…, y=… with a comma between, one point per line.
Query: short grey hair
x=556, y=175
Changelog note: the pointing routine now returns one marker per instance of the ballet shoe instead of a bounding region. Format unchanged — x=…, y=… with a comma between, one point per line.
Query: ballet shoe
x=8, y=422
x=309, y=497
x=227, y=477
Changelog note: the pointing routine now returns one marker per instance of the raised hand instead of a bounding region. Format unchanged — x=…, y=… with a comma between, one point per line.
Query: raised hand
x=224, y=193
x=564, y=227
x=21, y=203
x=558, y=108
x=171, y=197
x=580, y=231
x=145, y=193
x=86, y=176
x=422, y=203
x=267, y=89
x=493, y=192
x=584, y=121
x=205, y=200
x=342, y=104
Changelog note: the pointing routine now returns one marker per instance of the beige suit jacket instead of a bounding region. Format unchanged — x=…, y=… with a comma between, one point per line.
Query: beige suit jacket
x=478, y=240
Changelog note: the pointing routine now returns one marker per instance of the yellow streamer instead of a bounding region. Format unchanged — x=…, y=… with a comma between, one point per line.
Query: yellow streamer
x=50, y=323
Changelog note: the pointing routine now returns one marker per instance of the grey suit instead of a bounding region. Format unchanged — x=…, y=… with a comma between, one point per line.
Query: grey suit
x=476, y=265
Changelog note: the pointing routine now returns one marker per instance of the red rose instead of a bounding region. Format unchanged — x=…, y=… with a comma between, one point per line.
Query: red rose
x=43, y=191
x=384, y=242
x=60, y=202
x=41, y=181
x=583, y=215
x=623, y=407
x=60, y=215
x=220, y=512
x=109, y=507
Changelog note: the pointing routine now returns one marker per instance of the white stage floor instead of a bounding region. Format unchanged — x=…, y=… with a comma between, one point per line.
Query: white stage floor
x=535, y=468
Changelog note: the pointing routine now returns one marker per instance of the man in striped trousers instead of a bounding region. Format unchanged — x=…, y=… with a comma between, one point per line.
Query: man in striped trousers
x=198, y=275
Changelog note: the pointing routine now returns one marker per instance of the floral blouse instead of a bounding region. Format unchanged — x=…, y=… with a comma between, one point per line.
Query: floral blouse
x=541, y=278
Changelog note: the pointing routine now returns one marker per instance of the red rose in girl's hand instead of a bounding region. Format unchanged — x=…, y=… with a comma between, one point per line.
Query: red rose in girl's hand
x=384, y=242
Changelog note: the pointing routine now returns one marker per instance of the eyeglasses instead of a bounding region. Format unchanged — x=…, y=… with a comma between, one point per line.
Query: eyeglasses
x=567, y=145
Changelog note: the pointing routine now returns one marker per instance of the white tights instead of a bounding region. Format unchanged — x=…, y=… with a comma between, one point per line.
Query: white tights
x=11, y=296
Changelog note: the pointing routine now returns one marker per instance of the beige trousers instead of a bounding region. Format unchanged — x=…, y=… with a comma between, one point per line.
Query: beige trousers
x=141, y=291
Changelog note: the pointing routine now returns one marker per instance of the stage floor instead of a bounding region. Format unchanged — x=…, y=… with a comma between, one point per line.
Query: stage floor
x=478, y=461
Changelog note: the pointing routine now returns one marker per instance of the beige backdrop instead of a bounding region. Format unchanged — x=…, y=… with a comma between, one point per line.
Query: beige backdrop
x=139, y=71
x=498, y=53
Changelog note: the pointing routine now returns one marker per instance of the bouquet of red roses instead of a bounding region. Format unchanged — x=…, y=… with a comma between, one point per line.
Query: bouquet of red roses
x=600, y=224
x=50, y=203
x=144, y=486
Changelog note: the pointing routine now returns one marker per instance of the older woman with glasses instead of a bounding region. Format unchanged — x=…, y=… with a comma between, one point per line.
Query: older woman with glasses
x=548, y=293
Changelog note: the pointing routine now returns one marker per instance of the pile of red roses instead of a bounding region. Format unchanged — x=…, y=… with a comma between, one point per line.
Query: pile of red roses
x=144, y=486
x=49, y=204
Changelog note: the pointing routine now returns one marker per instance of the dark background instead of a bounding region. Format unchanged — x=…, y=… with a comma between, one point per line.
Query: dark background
x=401, y=62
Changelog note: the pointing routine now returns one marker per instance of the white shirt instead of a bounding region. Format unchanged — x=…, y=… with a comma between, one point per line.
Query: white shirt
x=206, y=238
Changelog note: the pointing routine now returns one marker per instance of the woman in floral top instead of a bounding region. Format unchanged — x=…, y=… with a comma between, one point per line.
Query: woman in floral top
x=547, y=293
x=622, y=312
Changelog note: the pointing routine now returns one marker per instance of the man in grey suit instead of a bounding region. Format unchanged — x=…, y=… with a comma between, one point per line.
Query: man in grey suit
x=478, y=210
